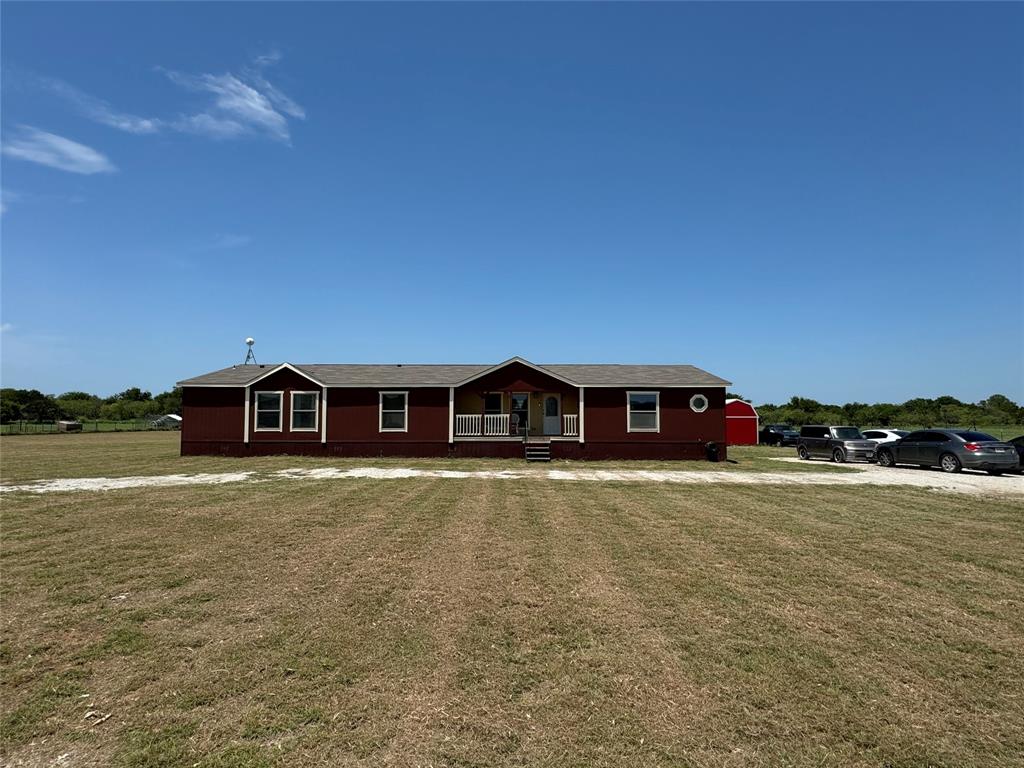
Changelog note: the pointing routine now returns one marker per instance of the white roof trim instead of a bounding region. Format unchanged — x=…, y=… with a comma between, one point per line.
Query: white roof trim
x=521, y=361
x=282, y=367
x=745, y=402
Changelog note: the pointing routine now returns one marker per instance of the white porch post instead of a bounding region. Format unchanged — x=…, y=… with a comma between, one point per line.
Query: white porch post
x=323, y=416
x=245, y=426
x=451, y=414
x=581, y=414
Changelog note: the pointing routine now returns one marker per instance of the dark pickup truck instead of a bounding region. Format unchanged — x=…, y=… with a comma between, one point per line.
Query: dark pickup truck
x=778, y=434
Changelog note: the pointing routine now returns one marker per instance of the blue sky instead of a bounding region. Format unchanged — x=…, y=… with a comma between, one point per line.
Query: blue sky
x=824, y=200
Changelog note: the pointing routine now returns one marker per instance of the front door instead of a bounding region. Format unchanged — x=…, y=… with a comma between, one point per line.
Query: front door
x=520, y=413
x=552, y=414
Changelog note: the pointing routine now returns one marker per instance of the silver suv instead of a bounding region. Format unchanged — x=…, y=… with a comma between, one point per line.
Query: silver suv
x=837, y=443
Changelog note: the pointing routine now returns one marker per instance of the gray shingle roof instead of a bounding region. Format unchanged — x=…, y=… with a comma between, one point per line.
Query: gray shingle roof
x=637, y=375
x=595, y=375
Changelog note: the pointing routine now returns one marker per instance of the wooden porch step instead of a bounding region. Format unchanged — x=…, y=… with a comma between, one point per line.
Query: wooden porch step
x=538, y=451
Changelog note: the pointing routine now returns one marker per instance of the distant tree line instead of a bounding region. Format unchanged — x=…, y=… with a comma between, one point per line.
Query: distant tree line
x=133, y=403
x=919, y=412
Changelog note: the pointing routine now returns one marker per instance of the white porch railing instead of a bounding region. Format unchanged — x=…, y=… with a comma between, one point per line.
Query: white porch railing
x=496, y=424
x=468, y=424
x=500, y=425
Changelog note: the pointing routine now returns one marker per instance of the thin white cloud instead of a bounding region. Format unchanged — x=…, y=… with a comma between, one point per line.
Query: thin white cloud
x=208, y=125
x=55, y=151
x=245, y=103
x=240, y=104
x=97, y=109
x=277, y=97
x=6, y=327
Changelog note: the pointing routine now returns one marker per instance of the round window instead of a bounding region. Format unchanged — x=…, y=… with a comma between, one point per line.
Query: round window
x=699, y=403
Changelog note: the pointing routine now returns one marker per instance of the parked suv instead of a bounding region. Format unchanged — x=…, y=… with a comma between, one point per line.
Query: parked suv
x=779, y=434
x=836, y=443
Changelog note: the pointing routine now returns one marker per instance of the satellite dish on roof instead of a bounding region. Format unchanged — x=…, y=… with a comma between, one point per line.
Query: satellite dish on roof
x=250, y=357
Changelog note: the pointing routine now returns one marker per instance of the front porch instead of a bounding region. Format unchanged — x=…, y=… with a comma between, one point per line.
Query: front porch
x=516, y=415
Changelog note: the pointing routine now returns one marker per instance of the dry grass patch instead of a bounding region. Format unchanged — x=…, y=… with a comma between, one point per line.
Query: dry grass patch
x=476, y=622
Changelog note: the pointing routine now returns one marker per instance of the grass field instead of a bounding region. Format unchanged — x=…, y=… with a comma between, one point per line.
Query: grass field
x=88, y=425
x=484, y=623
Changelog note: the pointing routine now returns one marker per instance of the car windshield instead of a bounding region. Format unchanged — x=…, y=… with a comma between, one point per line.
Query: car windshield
x=976, y=437
x=783, y=427
x=846, y=433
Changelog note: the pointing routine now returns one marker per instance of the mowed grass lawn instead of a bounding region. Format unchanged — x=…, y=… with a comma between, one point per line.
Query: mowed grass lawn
x=480, y=622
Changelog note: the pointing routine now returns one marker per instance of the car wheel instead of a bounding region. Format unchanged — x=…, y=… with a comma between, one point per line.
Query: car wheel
x=994, y=472
x=802, y=453
x=838, y=456
x=949, y=463
x=885, y=459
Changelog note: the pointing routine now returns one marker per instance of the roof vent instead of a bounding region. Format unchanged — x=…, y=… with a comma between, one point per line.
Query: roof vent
x=399, y=365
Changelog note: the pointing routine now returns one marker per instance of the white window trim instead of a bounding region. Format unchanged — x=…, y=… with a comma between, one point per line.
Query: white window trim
x=657, y=411
x=380, y=410
x=315, y=409
x=707, y=403
x=256, y=411
x=248, y=414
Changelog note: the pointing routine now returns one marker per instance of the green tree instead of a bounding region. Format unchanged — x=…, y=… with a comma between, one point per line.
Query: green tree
x=10, y=406
x=999, y=409
x=80, y=405
x=31, y=405
x=168, y=402
x=132, y=394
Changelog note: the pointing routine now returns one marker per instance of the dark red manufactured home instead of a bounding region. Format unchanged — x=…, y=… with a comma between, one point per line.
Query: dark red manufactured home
x=512, y=409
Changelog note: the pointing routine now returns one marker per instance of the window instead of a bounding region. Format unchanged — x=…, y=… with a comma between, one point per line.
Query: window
x=394, y=411
x=642, y=412
x=268, y=411
x=698, y=403
x=304, y=411
x=872, y=435
x=977, y=437
x=492, y=402
x=846, y=433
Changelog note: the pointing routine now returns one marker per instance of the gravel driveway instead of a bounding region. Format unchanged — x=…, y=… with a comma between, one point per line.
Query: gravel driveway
x=869, y=474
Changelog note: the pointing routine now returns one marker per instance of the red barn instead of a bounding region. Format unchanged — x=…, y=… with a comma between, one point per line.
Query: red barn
x=741, y=423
